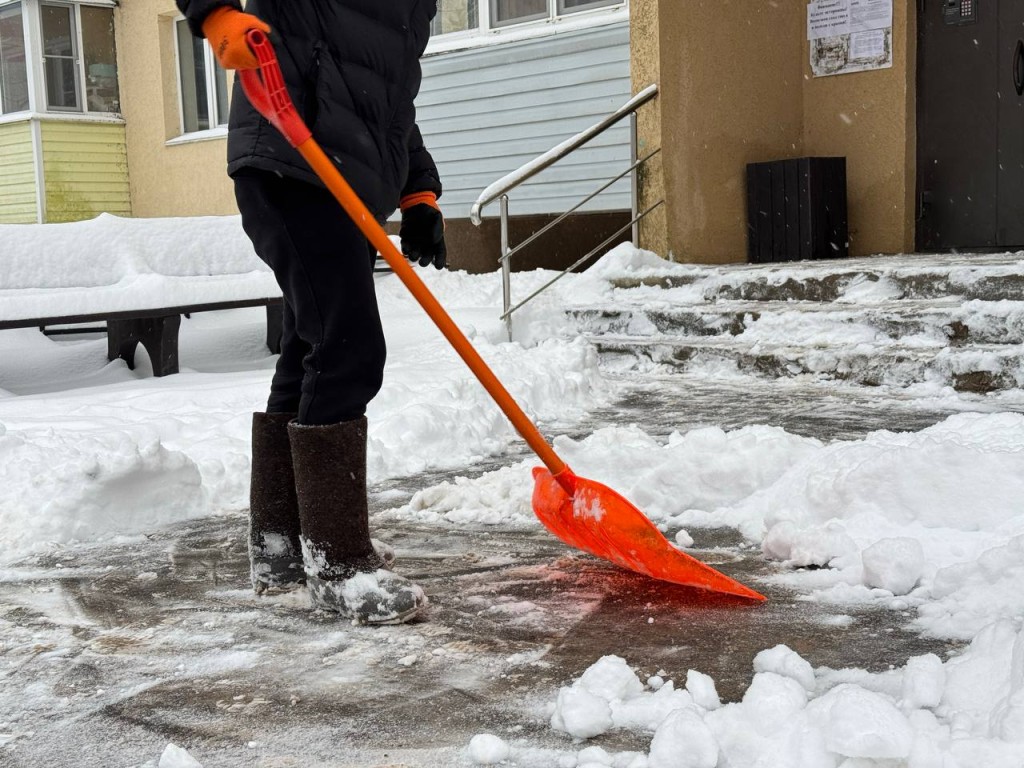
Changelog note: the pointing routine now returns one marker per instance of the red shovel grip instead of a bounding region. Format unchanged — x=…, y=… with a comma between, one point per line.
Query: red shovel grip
x=268, y=94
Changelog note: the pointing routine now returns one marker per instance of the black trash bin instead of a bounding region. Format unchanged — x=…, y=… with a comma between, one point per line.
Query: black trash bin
x=796, y=210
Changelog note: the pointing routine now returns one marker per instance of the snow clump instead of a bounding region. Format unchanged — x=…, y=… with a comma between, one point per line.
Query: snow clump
x=683, y=740
x=176, y=757
x=784, y=661
x=894, y=564
x=967, y=711
x=488, y=749
x=610, y=695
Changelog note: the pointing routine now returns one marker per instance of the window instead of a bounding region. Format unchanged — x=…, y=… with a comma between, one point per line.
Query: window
x=455, y=16
x=59, y=58
x=204, y=83
x=13, y=72
x=473, y=15
x=513, y=11
x=79, y=60
x=101, y=93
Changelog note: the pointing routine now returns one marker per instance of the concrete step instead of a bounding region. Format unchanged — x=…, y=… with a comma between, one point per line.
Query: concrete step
x=993, y=277
x=981, y=368
x=947, y=322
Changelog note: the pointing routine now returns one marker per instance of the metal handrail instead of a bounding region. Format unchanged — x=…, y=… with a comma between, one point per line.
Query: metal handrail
x=512, y=180
x=499, y=191
x=582, y=260
x=543, y=230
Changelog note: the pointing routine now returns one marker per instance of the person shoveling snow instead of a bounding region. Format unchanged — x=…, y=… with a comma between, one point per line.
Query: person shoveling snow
x=308, y=519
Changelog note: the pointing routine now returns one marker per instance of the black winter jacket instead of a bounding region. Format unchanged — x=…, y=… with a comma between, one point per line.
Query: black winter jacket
x=352, y=68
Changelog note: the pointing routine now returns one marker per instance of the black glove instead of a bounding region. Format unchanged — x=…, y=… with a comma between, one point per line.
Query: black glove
x=422, y=235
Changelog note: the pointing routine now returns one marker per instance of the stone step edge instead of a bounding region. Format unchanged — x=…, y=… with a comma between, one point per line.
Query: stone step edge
x=866, y=367
x=734, y=345
x=734, y=306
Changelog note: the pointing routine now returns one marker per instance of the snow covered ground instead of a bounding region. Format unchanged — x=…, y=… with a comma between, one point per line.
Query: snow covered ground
x=927, y=525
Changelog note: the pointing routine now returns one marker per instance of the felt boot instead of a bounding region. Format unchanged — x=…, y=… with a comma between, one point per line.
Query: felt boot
x=275, y=552
x=343, y=571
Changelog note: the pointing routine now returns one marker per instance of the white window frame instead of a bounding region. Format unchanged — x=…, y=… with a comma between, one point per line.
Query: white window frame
x=76, y=58
x=217, y=129
x=557, y=19
x=496, y=24
x=590, y=5
x=33, y=29
x=28, y=60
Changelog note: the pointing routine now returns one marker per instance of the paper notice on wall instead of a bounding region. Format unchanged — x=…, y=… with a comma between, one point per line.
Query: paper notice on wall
x=870, y=15
x=828, y=18
x=849, y=36
x=867, y=45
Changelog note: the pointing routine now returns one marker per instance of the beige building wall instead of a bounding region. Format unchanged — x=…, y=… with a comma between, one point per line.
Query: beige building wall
x=644, y=44
x=871, y=119
x=185, y=179
x=736, y=87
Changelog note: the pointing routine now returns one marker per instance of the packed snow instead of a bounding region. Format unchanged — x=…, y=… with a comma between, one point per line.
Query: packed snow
x=931, y=522
x=115, y=264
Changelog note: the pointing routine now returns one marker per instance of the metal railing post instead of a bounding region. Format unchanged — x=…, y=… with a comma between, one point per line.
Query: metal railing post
x=634, y=178
x=506, y=267
x=499, y=191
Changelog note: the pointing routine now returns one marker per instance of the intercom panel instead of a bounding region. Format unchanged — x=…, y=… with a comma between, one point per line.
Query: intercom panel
x=957, y=12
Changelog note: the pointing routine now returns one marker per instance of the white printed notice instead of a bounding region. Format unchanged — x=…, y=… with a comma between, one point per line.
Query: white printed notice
x=849, y=35
x=870, y=15
x=867, y=45
x=828, y=18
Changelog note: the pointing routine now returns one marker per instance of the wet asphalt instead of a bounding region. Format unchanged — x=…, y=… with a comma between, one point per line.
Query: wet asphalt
x=111, y=650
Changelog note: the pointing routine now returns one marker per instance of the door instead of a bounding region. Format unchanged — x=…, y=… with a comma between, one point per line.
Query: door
x=970, y=150
x=1010, y=233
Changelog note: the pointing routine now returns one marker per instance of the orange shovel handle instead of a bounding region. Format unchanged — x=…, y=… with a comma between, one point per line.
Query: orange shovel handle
x=269, y=96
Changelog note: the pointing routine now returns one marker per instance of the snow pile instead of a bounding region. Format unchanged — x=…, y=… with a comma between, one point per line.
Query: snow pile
x=114, y=264
x=701, y=469
x=140, y=452
x=967, y=711
x=102, y=251
x=930, y=519
x=626, y=261
x=444, y=410
x=609, y=695
x=59, y=487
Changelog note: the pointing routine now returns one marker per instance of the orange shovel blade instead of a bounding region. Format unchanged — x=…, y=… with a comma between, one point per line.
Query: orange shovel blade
x=598, y=520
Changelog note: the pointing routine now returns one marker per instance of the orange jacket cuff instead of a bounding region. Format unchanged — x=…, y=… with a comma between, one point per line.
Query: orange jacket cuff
x=417, y=198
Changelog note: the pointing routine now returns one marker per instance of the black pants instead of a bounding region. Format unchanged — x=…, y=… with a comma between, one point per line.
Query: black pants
x=332, y=348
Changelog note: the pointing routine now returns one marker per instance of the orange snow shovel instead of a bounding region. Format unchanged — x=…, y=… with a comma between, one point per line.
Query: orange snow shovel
x=582, y=513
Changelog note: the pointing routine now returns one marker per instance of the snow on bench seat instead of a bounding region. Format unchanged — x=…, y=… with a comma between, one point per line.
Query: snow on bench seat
x=139, y=275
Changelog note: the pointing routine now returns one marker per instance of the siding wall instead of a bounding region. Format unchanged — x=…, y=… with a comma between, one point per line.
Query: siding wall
x=487, y=111
x=17, y=175
x=85, y=168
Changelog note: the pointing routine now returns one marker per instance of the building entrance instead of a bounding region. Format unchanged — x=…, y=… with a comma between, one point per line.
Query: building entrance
x=970, y=124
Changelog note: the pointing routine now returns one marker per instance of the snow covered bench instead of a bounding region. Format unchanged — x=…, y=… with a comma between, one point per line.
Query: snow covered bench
x=139, y=276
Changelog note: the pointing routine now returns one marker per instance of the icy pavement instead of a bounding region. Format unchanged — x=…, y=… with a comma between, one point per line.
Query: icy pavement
x=122, y=648
x=663, y=404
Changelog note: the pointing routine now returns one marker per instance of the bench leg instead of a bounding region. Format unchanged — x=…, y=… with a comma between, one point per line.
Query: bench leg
x=275, y=327
x=159, y=336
